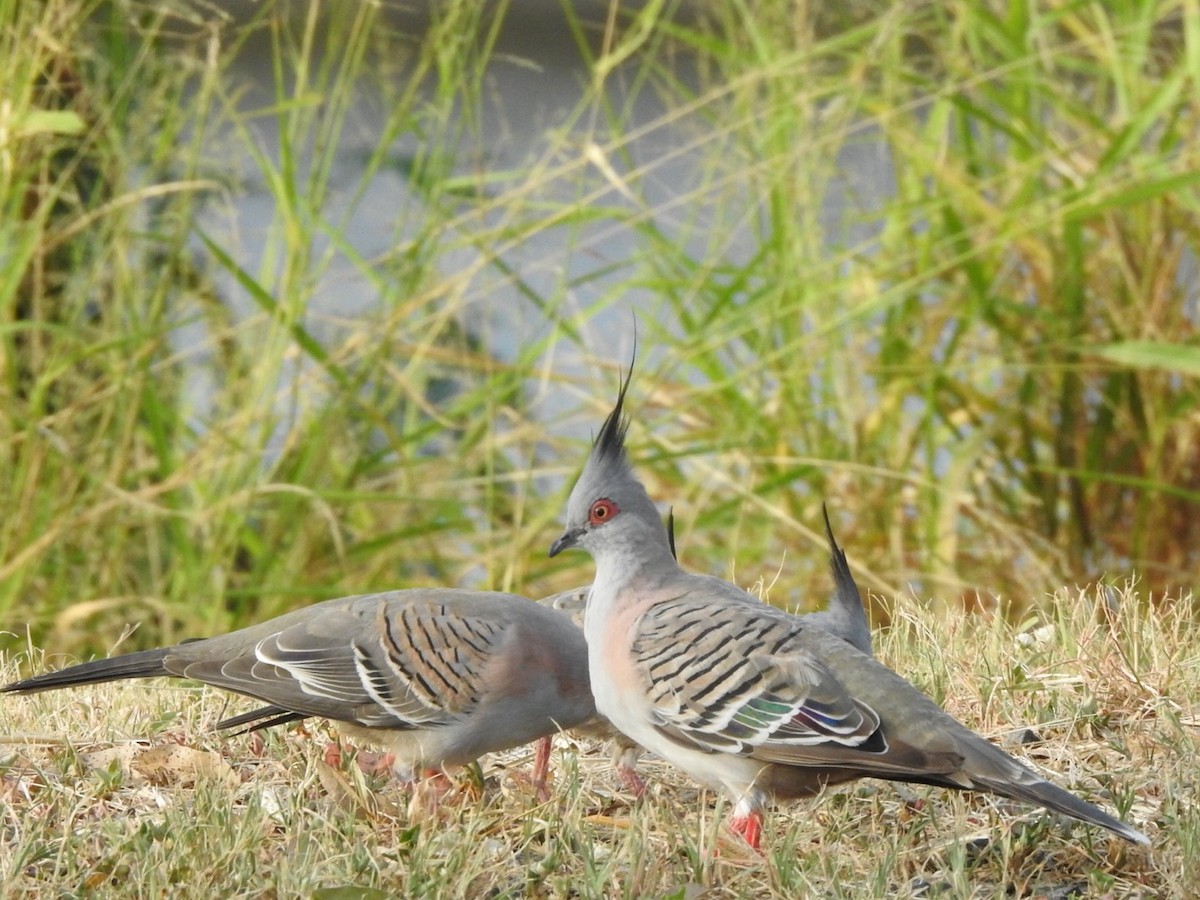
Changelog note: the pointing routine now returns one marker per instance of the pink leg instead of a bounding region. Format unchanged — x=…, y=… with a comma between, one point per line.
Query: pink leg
x=369, y=761
x=541, y=768
x=749, y=826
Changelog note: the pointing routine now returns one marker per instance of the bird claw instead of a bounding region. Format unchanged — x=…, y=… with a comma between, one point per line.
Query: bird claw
x=631, y=781
x=333, y=755
x=372, y=762
x=530, y=782
x=427, y=793
x=749, y=828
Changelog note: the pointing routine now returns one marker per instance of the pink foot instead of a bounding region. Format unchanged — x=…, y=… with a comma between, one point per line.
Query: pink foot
x=434, y=776
x=631, y=781
x=427, y=793
x=333, y=755
x=368, y=761
x=374, y=763
x=749, y=827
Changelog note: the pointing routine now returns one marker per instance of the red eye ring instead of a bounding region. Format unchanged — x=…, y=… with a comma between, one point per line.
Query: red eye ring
x=602, y=510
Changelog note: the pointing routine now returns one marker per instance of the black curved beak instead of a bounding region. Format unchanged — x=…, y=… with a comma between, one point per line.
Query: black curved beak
x=568, y=540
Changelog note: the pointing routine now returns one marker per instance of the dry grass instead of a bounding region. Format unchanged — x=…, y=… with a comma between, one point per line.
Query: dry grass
x=1106, y=695
x=976, y=365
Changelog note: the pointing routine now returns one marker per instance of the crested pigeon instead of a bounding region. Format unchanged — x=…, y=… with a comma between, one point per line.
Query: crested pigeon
x=438, y=676
x=845, y=617
x=743, y=696
x=625, y=753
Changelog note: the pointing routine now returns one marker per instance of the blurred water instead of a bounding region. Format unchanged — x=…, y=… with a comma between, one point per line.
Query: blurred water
x=534, y=80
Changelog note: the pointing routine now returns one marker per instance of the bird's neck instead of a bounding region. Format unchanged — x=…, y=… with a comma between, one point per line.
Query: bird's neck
x=622, y=578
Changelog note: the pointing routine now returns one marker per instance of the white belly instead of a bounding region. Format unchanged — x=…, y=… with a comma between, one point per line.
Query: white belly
x=621, y=696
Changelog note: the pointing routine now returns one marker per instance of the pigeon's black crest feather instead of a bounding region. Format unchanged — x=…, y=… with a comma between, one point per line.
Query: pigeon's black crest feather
x=610, y=442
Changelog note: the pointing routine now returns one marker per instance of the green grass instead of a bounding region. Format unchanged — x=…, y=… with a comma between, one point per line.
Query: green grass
x=1103, y=692
x=989, y=374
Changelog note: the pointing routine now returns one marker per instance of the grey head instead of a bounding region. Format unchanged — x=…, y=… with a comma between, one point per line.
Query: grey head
x=609, y=513
x=574, y=601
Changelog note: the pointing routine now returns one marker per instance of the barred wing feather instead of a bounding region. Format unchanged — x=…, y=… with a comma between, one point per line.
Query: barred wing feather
x=730, y=679
x=379, y=664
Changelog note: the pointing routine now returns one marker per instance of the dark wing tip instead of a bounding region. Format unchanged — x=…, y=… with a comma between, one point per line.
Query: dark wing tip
x=671, y=531
x=259, y=719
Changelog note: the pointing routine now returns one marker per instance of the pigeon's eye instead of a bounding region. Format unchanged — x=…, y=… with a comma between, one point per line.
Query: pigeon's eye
x=601, y=511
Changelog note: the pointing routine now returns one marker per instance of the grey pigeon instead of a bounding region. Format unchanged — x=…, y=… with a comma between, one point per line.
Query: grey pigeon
x=625, y=753
x=845, y=617
x=743, y=696
x=439, y=677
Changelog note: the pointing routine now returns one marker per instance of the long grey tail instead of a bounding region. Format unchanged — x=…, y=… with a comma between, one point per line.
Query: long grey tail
x=143, y=664
x=989, y=768
x=1043, y=793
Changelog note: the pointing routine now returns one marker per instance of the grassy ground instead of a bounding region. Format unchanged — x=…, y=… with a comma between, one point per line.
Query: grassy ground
x=1106, y=696
x=988, y=370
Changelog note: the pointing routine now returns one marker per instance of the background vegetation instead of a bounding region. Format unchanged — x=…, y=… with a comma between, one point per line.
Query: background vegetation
x=989, y=372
